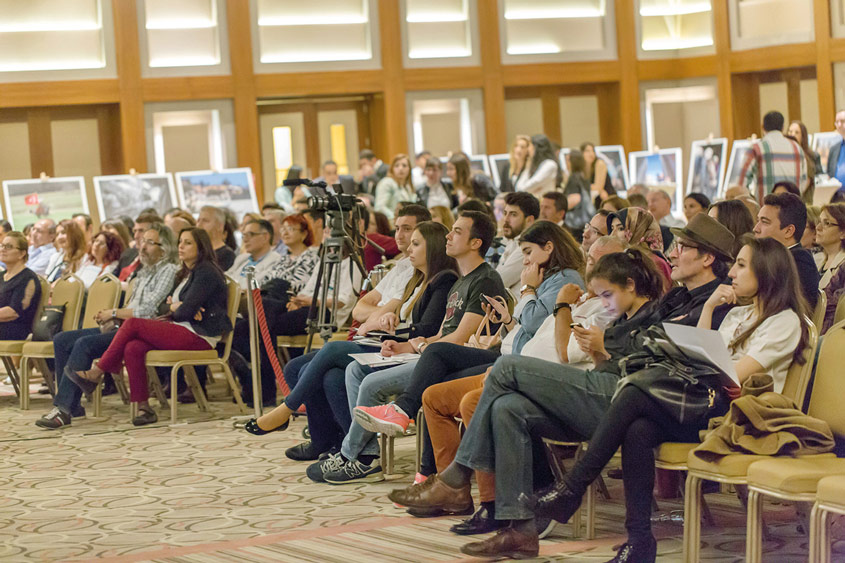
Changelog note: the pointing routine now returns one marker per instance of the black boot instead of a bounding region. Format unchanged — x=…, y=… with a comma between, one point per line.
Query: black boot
x=557, y=501
x=644, y=551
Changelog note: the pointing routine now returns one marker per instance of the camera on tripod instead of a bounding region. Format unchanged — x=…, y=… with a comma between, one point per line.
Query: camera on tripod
x=339, y=202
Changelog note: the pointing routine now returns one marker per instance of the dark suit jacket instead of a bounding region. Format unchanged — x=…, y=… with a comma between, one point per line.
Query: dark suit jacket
x=206, y=289
x=833, y=159
x=808, y=275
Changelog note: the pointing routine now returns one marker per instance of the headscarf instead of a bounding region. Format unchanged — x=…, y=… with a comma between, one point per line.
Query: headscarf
x=640, y=228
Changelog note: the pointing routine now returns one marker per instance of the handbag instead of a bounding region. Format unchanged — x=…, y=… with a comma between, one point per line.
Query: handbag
x=110, y=325
x=49, y=324
x=484, y=337
x=689, y=389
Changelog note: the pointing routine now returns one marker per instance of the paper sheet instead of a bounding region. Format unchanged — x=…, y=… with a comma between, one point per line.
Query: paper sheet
x=377, y=360
x=703, y=344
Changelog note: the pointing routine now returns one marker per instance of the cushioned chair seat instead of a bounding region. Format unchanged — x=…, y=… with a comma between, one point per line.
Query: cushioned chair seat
x=38, y=349
x=11, y=347
x=735, y=465
x=832, y=490
x=171, y=356
x=674, y=453
x=794, y=475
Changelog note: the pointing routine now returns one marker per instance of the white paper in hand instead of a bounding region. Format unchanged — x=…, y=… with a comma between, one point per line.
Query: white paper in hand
x=703, y=344
x=377, y=360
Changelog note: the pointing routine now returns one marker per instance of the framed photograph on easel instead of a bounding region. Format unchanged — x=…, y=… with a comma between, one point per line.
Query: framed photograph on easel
x=707, y=166
x=27, y=201
x=739, y=150
x=662, y=170
x=129, y=194
x=233, y=188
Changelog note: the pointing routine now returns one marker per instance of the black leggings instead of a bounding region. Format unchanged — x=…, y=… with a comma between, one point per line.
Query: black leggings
x=638, y=424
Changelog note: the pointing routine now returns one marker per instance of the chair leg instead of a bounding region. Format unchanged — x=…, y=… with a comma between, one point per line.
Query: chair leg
x=705, y=511
x=753, y=542
x=814, y=545
x=155, y=386
x=196, y=388
x=49, y=378
x=591, y=511
x=24, y=384
x=824, y=537
x=120, y=384
x=12, y=371
x=692, y=519
x=602, y=488
x=174, y=401
x=97, y=399
x=236, y=390
x=420, y=431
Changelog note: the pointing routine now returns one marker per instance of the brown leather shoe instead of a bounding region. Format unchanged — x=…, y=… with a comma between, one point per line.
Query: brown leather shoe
x=506, y=544
x=433, y=497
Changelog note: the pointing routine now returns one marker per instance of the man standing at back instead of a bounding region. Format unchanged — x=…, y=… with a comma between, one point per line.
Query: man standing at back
x=773, y=159
x=836, y=156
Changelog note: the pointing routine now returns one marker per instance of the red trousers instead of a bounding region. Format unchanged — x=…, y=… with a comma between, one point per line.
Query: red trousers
x=134, y=339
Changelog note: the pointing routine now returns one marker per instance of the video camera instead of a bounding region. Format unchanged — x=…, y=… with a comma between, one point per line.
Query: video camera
x=340, y=197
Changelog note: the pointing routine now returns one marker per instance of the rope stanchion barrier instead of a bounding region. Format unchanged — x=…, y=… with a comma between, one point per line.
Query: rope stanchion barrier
x=268, y=344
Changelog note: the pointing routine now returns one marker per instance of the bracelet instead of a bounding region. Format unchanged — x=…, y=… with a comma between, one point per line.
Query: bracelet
x=420, y=349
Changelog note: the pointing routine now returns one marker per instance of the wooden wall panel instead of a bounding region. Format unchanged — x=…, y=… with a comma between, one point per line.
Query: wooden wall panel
x=40, y=142
x=824, y=65
x=629, y=87
x=394, y=85
x=493, y=77
x=127, y=51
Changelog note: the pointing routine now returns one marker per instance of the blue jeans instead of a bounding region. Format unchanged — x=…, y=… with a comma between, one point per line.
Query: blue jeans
x=368, y=388
x=76, y=350
x=332, y=356
x=327, y=411
x=522, y=394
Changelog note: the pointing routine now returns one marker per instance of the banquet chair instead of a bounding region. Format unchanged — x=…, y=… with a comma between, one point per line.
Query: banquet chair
x=70, y=292
x=830, y=499
x=10, y=349
x=820, y=310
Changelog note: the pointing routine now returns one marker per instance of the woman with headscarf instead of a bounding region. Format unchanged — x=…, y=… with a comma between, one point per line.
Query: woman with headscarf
x=638, y=227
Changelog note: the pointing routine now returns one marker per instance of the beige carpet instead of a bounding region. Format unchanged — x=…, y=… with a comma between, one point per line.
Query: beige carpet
x=202, y=491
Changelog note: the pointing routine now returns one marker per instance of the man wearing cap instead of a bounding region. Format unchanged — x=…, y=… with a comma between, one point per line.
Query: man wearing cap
x=533, y=394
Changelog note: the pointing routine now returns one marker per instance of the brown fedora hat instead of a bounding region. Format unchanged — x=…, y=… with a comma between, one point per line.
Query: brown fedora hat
x=709, y=234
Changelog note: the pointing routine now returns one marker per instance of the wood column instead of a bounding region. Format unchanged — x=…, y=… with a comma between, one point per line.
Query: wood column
x=722, y=40
x=40, y=142
x=629, y=86
x=245, y=100
x=824, y=65
x=493, y=80
x=394, y=80
x=550, y=99
x=127, y=51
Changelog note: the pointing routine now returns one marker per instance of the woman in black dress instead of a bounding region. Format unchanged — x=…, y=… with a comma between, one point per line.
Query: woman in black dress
x=20, y=290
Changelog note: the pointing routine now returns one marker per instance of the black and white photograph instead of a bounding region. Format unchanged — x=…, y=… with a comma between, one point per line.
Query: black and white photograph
x=129, y=194
x=27, y=201
x=233, y=188
x=707, y=166
x=498, y=167
x=739, y=150
x=661, y=170
x=614, y=157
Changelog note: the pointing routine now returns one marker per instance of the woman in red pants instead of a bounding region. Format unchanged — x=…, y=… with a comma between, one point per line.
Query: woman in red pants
x=196, y=320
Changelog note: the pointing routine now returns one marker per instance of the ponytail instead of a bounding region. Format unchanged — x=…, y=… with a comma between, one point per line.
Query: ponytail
x=631, y=265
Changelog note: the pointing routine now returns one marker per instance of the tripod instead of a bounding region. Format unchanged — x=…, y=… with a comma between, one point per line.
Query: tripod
x=328, y=277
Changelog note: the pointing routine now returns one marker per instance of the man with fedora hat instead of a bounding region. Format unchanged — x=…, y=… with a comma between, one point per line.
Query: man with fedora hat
x=534, y=394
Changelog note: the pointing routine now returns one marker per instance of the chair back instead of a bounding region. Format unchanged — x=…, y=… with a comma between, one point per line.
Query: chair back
x=69, y=291
x=104, y=293
x=820, y=310
x=45, y=299
x=839, y=316
x=233, y=304
x=826, y=396
x=130, y=289
x=799, y=375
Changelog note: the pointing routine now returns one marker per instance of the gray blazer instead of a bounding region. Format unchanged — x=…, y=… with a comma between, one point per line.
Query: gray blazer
x=833, y=159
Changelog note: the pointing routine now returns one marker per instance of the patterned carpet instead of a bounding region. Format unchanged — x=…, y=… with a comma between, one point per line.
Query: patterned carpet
x=201, y=491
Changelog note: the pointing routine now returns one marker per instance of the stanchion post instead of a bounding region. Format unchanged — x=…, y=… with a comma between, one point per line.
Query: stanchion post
x=254, y=352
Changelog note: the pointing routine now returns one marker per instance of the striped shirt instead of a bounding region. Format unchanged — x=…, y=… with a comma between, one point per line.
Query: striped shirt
x=773, y=159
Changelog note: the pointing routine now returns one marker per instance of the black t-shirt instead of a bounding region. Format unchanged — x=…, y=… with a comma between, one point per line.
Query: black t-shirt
x=12, y=293
x=465, y=295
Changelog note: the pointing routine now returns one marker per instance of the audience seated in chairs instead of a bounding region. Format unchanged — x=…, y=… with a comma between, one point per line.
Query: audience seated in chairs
x=130, y=261
x=41, y=249
x=766, y=336
x=735, y=217
x=830, y=234
x=638, y=227
x=419, y=314
x=257, y=251
x=20, y=290
x=106, y=249
x=77, y=349
x=197, y=318
x=71, y=250
x=213, y=221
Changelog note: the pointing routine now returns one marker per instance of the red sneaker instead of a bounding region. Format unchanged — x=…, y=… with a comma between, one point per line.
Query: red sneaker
x=387, y=419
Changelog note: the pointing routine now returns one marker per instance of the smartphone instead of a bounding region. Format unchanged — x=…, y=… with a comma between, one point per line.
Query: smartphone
x=579, y=325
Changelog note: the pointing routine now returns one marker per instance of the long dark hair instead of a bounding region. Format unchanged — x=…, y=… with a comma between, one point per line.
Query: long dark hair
x=566, y=253
x=634, y=265
x=778, y=289
x=205, y=252
x=542, y=151
x=437, y=261
x=735, y=217
x=809, y=155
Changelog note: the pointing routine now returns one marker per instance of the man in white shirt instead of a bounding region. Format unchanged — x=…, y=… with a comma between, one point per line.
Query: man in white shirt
x=553, y=207
x=275, y=218
x=257, y=252
x=660, y=205
x=387, y=295
x=521, y=210
x=43, y=234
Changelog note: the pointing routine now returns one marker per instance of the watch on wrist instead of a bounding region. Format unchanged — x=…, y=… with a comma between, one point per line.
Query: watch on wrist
x=527, y=287
x=559, y=306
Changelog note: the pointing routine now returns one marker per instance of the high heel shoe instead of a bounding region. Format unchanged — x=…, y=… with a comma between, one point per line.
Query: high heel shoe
x=252, y=427
x=556, y=501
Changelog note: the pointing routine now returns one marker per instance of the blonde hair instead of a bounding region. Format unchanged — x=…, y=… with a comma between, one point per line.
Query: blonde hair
x=512, y=159
x=443, y=215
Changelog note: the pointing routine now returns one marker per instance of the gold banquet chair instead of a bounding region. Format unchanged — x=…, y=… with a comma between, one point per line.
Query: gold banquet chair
x=188, y=359
x=733, y=469
x=820, y=310
x=10, y=349
x=839, y=316
x=795, y=479
x=830, y=499
x=70, y=292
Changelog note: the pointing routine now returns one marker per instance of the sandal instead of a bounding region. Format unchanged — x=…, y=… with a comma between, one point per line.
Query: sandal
x=94, y=375
x=145, y=416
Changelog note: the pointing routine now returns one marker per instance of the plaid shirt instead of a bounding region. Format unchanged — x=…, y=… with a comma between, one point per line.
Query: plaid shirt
x=773, y=159
x=152, y=286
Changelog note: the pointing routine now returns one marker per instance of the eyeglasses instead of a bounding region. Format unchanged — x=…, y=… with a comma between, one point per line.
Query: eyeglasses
x=250, y=234
x=681, y=246
x=9, y=247
x=289, y=229
x=151, y=242
x=824, y=223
